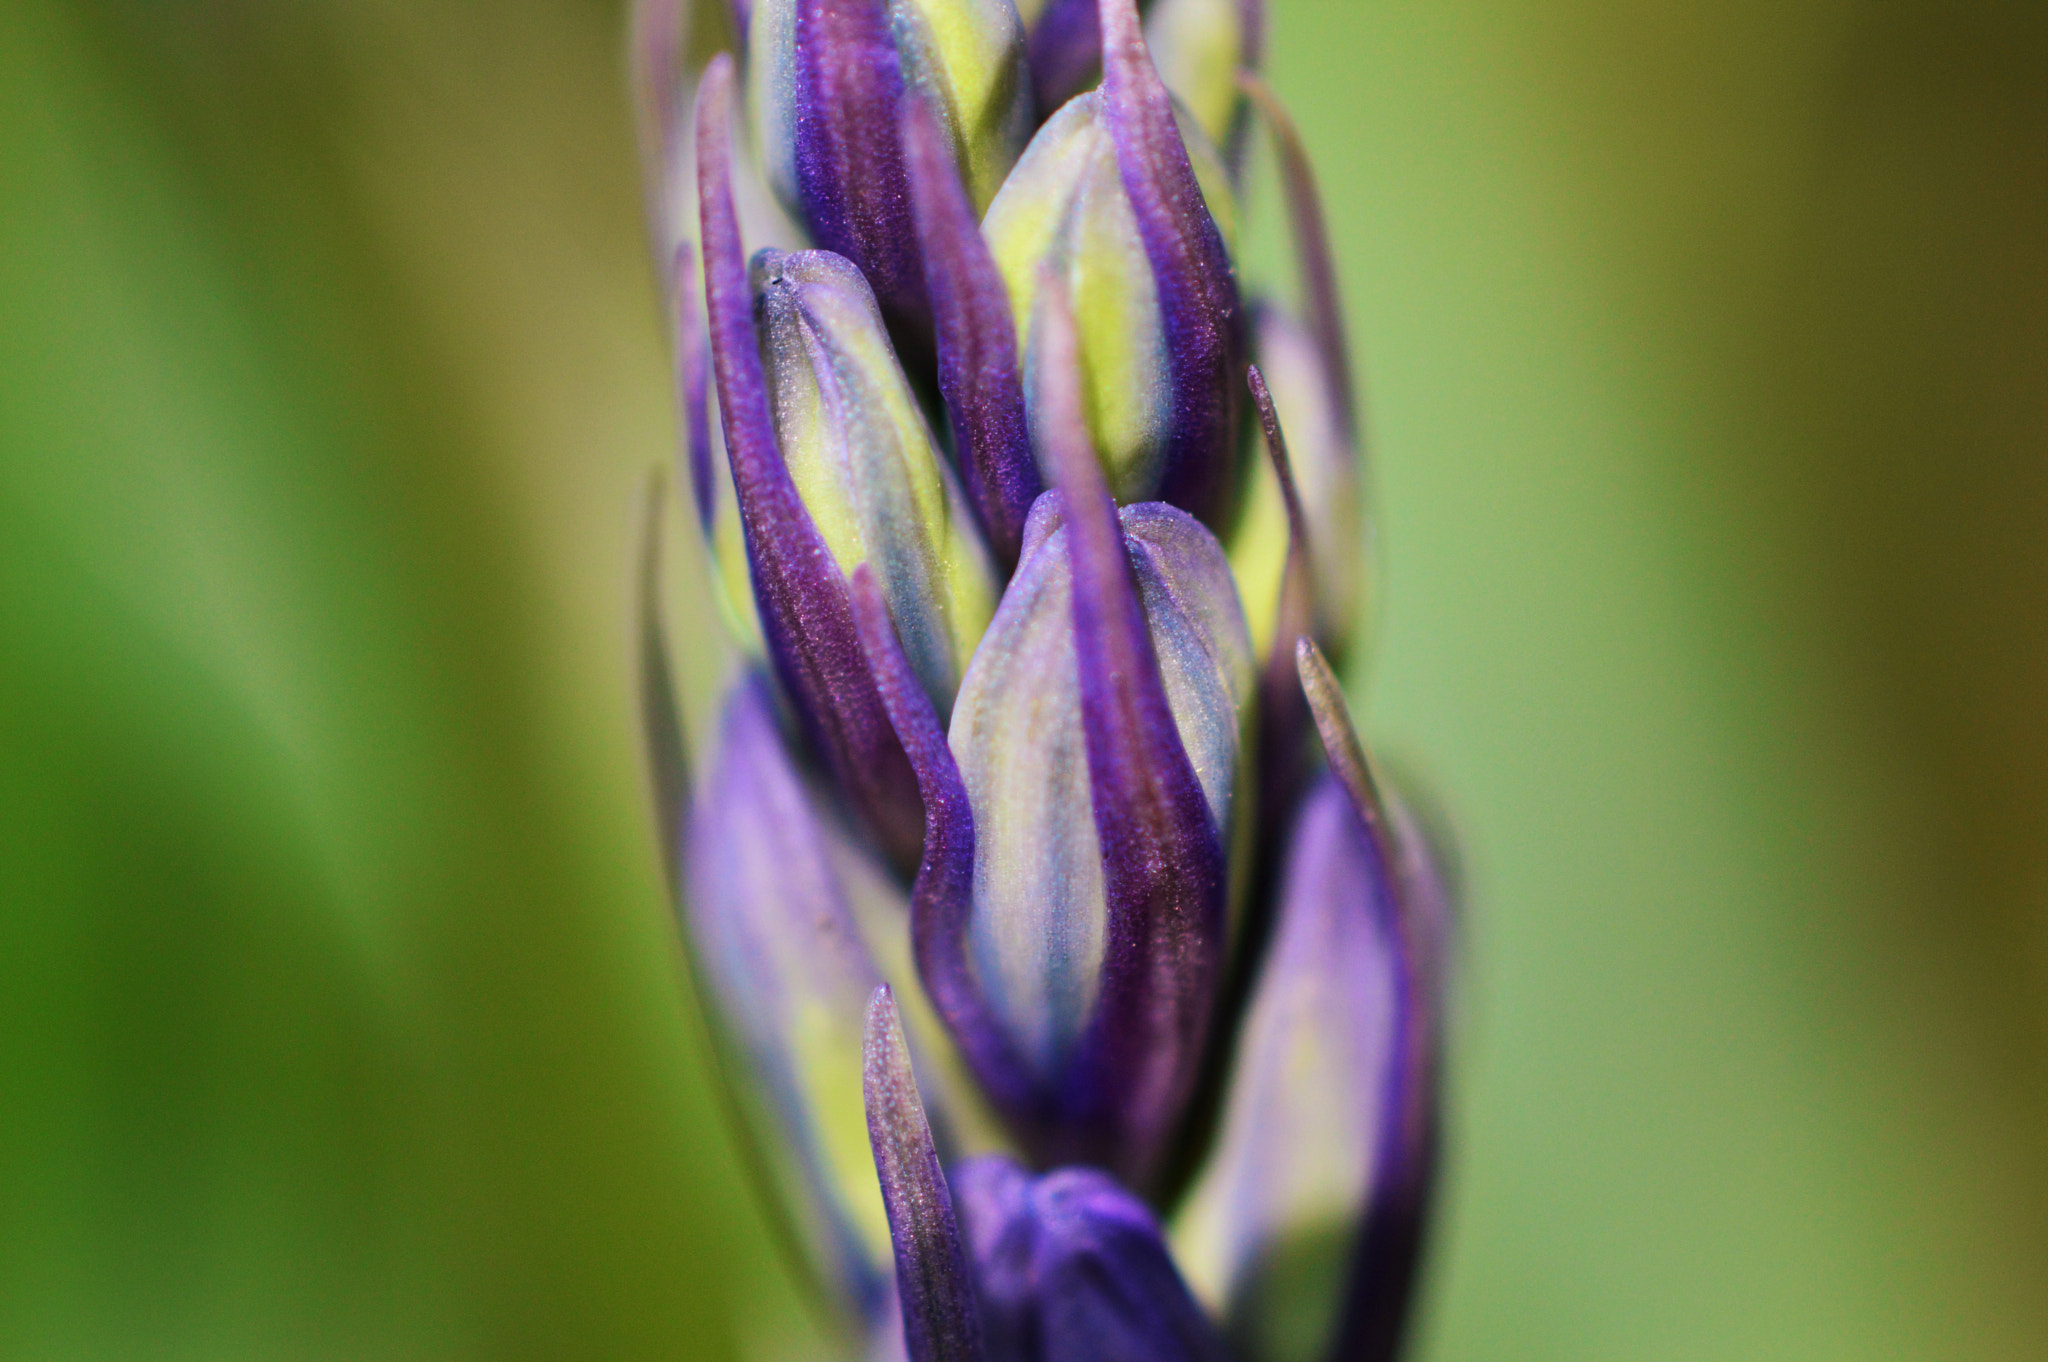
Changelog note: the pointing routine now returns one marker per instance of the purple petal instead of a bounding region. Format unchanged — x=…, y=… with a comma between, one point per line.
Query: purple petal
x=1065, y=51
x=1197, y=292
x=785, y=976
x=976, y=339
x=1390, y=1245
x=1270, y=1229
x=1162, y=856
x=1071, y=1268
x=850, y=183
x=932, y=1284
x=805, y=616
x=943, y=892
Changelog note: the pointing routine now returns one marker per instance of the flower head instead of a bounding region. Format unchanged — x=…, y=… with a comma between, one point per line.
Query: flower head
x=1076, y=1015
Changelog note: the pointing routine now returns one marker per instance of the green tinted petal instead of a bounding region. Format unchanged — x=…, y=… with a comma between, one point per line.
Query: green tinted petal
x=864, y=462
x=967, y=56
x=1199, y=46
x=1065, y=208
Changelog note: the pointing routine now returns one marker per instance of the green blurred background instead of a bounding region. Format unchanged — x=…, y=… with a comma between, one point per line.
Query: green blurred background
x=340, y=1015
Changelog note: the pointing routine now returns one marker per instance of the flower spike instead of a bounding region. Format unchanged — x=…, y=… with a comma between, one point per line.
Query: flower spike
x=805, y=616
x=932, y=1283
x=1197, y=290
x=976, y=339
x=1019, y=907
x=1162, y=856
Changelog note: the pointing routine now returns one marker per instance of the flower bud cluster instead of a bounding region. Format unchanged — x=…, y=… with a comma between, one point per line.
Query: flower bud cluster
x=1074, y=978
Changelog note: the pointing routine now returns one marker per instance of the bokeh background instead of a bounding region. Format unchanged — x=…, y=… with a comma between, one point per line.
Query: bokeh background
x=340, y=1014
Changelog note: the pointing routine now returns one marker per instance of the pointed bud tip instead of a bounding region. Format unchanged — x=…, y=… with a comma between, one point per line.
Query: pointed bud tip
x=881, y=1012
x=933, y=1286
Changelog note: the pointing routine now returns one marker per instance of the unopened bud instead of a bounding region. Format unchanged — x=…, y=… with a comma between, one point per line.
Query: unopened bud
x=863, y=461
x=827, y=78
x=1130, y=210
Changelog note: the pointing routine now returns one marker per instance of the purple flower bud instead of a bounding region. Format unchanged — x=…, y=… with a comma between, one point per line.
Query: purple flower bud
x=806, y=620
x=1108, y=200
x=1070, y=911
x=1071, y=1268
x=1269, y=1231
x=1387, y=1254
x=828, y=77
x=786, y=978
x=861, y=457
x=792, y=923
